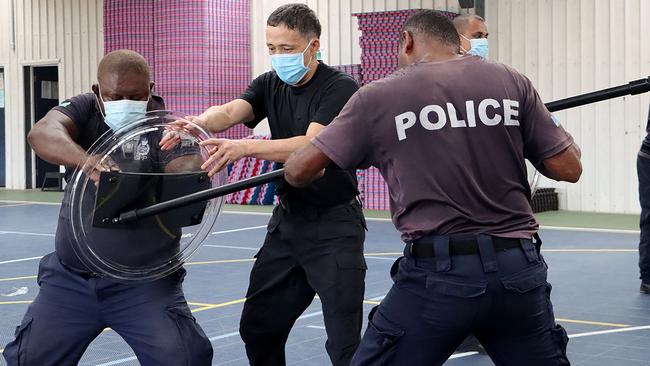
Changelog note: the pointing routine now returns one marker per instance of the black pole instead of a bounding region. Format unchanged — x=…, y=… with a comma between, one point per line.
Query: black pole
x=205, y=195
x=631, y=88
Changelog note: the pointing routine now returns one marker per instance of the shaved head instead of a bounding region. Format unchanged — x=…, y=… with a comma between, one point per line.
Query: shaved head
x=122, y=74
x=123, y=62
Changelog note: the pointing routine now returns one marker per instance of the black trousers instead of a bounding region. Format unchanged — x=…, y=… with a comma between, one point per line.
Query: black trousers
x=306, y=252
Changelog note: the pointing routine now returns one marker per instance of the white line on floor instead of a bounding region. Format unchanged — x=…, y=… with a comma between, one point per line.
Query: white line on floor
x=464, y=354
x=238, y=230
x=117, y=362
x=21, y=260
x=24, y=233
x=229, y=247
x=251, y=213
x=392, y=259
x=589, y=229
x=310, y=315
x=316, y=327
x=15, y=205
x=619, y=330
x=32, y=202
x=227, y=335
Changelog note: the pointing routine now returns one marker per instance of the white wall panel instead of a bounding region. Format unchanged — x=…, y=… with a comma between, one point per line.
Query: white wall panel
x=569, y=47
x=65, y=33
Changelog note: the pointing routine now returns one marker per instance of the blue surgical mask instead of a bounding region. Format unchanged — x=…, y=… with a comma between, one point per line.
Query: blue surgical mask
x=478, y=47
x=120, y=113
x=290, y=67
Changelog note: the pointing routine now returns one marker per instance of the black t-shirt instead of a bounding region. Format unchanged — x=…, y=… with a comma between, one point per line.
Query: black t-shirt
x=290, y=110
x=135, y=155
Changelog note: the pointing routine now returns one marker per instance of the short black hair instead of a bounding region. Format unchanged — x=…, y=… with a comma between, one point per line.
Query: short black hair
x=462, y=21
x=434, y=24
x=296, y=16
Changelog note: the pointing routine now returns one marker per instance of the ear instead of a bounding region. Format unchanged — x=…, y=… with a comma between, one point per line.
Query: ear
x=407, y=42
x=315, y=46
x=151, y=85
x=95, y=88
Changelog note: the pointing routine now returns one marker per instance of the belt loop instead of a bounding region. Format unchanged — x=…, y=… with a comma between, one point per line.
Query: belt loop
x=537, y=242
x=486, y=251
x=441, y=248
x=529, y=250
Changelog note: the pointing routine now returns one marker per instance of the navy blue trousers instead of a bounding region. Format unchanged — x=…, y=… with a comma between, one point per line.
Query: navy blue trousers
x=70, y=310
x=643, y=171
x=435, y=303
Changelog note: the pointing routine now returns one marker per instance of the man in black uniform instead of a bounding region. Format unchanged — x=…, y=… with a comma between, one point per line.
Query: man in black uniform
x=315, y=237
x=643, y=171
x=449, y=134
x=74, y=305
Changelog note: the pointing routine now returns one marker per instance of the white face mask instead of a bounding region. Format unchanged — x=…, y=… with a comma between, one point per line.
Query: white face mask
x=120, y=113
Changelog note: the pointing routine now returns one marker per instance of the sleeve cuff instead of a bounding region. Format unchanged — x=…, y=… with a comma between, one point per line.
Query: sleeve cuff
x=555, y=149
x=337, y=159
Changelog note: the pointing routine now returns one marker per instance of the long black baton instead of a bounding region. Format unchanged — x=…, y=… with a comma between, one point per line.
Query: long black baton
x=631, y=88
x=205, y=195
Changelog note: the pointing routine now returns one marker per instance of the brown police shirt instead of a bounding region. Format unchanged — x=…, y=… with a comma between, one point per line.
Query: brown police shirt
x=450, y=139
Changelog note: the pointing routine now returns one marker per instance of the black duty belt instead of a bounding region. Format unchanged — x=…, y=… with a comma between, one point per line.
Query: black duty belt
x=423, y=248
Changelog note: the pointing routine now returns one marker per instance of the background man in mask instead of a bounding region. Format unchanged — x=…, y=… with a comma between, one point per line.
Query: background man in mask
x=315, y=237
x=473, y=35
x=75, y=305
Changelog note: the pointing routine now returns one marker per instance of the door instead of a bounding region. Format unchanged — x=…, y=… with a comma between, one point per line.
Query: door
x=44, y=96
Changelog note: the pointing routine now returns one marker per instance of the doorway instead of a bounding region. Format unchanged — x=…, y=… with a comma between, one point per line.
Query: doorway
x=41, y=95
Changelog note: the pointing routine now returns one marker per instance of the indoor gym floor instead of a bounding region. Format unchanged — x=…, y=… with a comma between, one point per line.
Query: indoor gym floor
x=593, y=271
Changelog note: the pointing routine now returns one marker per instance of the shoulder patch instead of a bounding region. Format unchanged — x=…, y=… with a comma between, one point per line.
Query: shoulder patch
x=65, y=103
x=555, y=120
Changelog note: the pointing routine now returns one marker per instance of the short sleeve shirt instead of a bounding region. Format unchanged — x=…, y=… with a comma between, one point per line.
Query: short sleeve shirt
x=290, y=110
x=450, y=139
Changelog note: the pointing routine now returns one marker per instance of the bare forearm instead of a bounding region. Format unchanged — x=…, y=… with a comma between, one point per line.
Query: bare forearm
x=221, y=117
x=305, y=165
x=55, y=146
x=217, y=119
x=565, y=166
x=274, y=150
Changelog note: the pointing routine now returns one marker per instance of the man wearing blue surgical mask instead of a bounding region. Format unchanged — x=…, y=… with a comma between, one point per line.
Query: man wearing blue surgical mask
x=314, y=243
x=473, y=35
x=74, y=304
